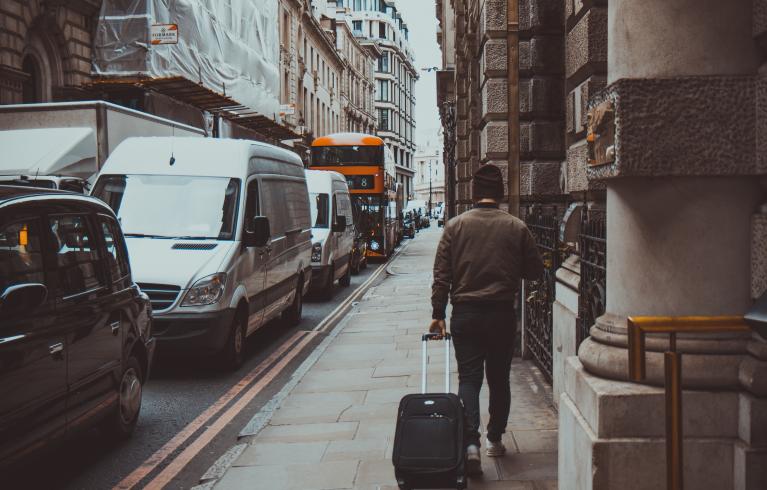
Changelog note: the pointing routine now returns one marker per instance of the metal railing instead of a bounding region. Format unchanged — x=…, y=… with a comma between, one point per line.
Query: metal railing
x=592, y=289
x=638, y=328
x=538, y=318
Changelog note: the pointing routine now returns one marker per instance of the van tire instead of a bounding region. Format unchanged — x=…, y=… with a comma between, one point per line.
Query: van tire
x=233, y=354
x=328, y=287
x=120, y=423
x=292, y=316
x=346, y=279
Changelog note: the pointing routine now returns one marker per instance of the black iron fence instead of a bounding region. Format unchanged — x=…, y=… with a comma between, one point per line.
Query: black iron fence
x=592, y=294
x=543, y=222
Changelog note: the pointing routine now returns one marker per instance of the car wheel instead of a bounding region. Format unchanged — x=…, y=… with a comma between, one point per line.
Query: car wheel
x=364, y=263
x=327, y=290
x=346, y=280
x=292, y=316
x=233, y=354
x=120, y=424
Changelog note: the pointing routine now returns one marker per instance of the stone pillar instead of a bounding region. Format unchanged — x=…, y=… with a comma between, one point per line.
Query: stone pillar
x=681, y=201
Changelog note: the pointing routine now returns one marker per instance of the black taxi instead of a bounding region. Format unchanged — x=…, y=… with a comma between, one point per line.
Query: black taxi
x=75, y=331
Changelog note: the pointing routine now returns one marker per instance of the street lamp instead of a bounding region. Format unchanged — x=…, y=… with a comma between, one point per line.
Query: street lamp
x=430, y=187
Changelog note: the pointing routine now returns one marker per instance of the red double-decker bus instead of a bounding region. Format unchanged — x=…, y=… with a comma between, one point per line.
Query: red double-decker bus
x=368, y=165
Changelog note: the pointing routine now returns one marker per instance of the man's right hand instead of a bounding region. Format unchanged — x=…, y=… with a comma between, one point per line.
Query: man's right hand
x=438, y=326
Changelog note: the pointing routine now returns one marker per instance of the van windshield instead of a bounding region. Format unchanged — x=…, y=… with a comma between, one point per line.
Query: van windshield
x=320, y=214
x=164, y=206
x=47, y=184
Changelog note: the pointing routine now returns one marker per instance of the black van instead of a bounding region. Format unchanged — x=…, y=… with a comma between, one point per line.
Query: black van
x=75, y=331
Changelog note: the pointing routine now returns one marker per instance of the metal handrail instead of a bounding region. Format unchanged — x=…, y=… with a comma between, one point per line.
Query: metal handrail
x=638, y=328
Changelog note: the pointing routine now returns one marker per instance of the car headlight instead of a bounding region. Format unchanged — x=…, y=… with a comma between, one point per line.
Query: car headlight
x=374, y=245
x=317, y=252
x=206, y=291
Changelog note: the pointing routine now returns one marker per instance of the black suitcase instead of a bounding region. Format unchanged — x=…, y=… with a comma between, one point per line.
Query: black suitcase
x=428, y=443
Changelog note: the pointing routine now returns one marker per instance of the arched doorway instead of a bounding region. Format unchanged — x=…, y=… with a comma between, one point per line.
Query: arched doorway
x=32, y=86
x=42, y=62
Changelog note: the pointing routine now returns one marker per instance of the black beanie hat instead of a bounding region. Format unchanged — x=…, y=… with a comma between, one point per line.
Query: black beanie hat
x=487, y=182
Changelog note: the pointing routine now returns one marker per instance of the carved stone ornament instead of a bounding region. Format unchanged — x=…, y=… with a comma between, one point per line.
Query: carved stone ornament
x=601, y=134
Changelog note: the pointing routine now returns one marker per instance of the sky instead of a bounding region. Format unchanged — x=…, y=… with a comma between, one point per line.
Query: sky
x=420, y=17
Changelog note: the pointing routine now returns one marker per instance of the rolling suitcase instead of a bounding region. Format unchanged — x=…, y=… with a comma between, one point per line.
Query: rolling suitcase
x=428, y=443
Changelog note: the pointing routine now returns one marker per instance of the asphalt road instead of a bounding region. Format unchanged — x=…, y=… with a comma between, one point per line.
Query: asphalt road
x=177, y=393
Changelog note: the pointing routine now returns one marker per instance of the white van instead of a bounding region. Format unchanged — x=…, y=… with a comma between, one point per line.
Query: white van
x=332, y=230
x=218, y=233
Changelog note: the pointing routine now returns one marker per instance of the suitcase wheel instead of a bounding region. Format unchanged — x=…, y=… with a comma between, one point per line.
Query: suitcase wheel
x=460, y=483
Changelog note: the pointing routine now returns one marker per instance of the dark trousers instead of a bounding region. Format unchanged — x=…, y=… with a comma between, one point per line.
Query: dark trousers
x=483, y=338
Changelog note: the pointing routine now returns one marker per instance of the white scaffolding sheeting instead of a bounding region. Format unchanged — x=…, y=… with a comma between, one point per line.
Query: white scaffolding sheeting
x=229, y=46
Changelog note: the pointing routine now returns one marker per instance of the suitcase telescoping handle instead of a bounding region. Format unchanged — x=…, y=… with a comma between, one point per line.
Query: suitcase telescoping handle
x=424, y=342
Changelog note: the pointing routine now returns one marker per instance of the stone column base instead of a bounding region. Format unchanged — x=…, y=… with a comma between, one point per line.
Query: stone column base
x=611, y=435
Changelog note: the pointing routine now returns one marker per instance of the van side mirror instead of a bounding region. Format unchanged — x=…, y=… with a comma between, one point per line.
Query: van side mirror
x=22, y=297
x=340, y=224
x=260, y=232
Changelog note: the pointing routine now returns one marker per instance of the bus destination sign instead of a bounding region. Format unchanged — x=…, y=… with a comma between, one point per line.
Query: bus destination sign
x=359, y=182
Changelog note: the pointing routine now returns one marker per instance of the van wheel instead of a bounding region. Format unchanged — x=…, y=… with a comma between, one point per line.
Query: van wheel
x=233, y=354
x=346, y=279
x=292, y=316
x=120, y=424
x=327, y=290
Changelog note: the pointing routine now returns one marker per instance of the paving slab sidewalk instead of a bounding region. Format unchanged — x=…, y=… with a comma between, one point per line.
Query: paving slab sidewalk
x=335, y=428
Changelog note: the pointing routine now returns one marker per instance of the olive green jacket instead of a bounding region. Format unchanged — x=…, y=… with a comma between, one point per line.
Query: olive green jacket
x=481, y=258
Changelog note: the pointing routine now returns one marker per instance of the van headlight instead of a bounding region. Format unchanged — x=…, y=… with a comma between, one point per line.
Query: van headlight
x=374, y=245
x=206, y=291
x=317, y=252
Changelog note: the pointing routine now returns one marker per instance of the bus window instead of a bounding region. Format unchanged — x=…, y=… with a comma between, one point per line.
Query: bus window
x=347, y=155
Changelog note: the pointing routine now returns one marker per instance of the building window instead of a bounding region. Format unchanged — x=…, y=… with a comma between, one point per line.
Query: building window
x=382, y=30
x=383, y=119
x=383, y=63
x=286, y=29
x=382, y=90
x=285, y=87
x=357, y=27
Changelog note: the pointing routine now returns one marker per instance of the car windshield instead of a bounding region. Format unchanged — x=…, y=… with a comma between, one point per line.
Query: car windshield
x=320, y=214
x=164, y=206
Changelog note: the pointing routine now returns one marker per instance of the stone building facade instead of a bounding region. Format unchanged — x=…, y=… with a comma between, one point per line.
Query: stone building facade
x=511, y=115
x=360, y=57
x=429, y=180
x=311, y=71
x=45, y=49
x=644, y=124
x=380, y=22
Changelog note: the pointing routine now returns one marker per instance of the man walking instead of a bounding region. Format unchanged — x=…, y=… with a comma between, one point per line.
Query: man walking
x=480, y=260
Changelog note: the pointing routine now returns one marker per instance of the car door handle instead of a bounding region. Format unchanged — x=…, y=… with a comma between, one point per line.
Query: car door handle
x=56, y=349
x=115, y=327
